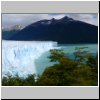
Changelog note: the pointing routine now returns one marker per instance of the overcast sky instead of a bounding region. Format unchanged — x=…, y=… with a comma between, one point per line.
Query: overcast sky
x=9, y=20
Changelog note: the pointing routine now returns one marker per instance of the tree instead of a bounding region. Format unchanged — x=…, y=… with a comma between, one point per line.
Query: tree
x=68, y=72
x=81, y=54
x=18, y=81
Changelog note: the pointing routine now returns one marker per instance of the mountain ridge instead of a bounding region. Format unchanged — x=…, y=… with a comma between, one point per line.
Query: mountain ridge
x=64, y=30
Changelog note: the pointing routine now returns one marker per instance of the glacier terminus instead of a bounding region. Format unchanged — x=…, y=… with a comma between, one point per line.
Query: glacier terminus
x=25, y=57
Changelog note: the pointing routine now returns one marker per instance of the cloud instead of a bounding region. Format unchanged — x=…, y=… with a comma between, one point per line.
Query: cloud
x=88, y=18
x=21, y=19
x=9, y=20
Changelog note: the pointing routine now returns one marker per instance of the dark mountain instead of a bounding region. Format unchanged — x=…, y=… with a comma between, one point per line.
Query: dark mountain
x=7, y=33
x=64, y=30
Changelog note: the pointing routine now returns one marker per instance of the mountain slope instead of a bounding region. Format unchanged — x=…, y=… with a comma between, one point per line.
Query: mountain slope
x=9, y=32
x=64, y=30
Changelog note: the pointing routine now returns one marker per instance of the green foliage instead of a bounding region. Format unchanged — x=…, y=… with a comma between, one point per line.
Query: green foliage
x=82, y=71
x=92, y=61
x=18, y=81
x=68, y=72
x=56, y=55
x=81, y=54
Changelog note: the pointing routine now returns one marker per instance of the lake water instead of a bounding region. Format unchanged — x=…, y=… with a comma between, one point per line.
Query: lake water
x=31, y=57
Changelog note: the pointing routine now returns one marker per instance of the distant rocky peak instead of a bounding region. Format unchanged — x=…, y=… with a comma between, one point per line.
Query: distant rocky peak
x=13, y=28
x=16, y=27
x=66, y=18
x=53, y=19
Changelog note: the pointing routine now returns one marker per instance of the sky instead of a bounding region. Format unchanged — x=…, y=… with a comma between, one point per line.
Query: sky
x=9, y=20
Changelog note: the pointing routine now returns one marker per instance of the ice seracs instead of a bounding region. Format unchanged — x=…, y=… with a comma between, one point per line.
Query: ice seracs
x=20, y=57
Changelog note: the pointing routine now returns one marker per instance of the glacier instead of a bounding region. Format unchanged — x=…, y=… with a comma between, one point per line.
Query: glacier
x=31, y=57
x=25, y=57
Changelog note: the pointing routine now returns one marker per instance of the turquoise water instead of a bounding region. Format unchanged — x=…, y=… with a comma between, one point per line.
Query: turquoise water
x=70, y=48
x=43, y=62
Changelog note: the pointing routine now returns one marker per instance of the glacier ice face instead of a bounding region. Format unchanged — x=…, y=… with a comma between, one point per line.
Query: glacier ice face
x=23, y=58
